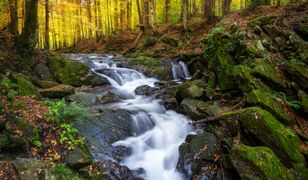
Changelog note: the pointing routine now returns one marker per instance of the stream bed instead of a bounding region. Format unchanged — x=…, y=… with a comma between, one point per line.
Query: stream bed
x=150, y=149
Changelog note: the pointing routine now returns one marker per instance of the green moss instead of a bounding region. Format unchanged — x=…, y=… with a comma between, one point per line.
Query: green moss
x=63, y=172
x=269, y=101
x=303, y=97
x=268, y=73
x=21, y=84
x=272, y=133
x=68, y=72
x=261, y=21
x=162, y=73
x=218, y=48
x=211, y=85
x=298, y=72
x=258, y=163
x=145, y=61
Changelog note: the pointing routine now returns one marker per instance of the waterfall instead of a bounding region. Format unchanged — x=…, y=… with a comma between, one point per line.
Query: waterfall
x=158, y=132
x=180, y=71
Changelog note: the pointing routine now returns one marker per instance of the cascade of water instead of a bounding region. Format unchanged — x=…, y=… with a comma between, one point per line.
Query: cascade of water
x=158, y=133
x=180, y=71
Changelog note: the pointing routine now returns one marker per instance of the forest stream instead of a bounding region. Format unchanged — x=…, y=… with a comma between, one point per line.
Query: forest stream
x=157, y=132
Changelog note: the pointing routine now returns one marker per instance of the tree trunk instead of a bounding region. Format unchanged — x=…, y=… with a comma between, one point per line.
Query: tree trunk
x=13, y=26
x=167, y=10
x=89, y=17
x=116, y=15
x=28, y=38
x=184, y=13
x=46, y=24
x=146, y=15
x=140, y=15
x=226, y=7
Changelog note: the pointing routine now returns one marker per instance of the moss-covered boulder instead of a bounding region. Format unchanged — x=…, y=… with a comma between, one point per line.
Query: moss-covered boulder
x=67, y=71
x=218, y=52
x=258, y=163
x=145, y=61
x=259, y=94
x=21, y=83
x=58, y=91
x=303, y=97
x=79, y=157
x=197, y=109
x=298, y=72
x=268, y=130
x=42, y=72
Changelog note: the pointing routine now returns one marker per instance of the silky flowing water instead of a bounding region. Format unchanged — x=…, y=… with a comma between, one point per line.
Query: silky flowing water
x=158, y=132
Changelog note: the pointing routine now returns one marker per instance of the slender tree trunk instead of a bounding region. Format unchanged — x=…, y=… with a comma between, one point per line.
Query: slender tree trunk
x=116, y=15
x=46, y=24
x=184, y=13
x=28, y=38
x=128, y=14
x=13, y=26
x=89, y=17
x=146, y=15
x=140, y=15
x=226, y=7
x=167, y=10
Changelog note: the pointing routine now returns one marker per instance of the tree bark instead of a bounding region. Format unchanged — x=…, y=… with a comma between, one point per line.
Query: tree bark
x=140, y=14
x=13, y=26
x=184, y=13
x=28, y=38
x=146, y=15
x=167, y=10
x=47, y=24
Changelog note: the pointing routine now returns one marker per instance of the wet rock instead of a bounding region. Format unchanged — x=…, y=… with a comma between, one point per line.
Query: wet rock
x=94, y=79
x=28, y=169
x=79, y=158
x=58, y=91
x=258, y=163
x=268, y=130
x=196, y=109
x=145, y=90
x=198, y=154
x=42, y=72
x=107, y=97
x=104, y=128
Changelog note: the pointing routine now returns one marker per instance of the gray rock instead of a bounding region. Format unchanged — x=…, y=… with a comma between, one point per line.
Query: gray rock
x=78, y=158
x=28, y=169
x=145, y=90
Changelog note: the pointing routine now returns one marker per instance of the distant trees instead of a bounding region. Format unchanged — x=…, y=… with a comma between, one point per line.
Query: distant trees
x=64, y=23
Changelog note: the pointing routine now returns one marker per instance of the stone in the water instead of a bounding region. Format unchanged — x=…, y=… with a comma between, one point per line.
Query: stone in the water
x=145, y=90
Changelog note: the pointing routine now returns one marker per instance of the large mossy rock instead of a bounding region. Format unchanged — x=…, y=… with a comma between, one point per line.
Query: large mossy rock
x=257, y=163
x=298, y=72
x=42, y=72
x=22, y=84
x=190, y=89
x=303, y=97
x=197, y=109
x=67, y=71
x=74, y=73
x=79, y=158
x=218, y=51
x=259, y=94
x=270, y=132
x=58, y=91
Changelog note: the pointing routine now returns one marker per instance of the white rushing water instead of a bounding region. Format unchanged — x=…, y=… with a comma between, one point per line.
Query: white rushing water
x=158, y=133
x=180, y=71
